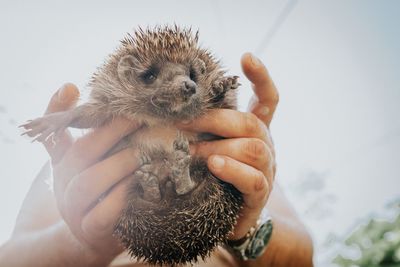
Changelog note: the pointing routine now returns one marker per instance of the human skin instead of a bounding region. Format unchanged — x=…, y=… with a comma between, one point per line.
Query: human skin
x=73, y=226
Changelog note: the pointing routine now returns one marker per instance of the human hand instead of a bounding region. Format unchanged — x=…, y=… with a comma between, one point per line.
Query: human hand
x=246, y=157
x=39, y=211
x=90, y=191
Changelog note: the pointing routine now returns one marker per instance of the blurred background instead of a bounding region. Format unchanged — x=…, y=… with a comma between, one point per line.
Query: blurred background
x=335, y=63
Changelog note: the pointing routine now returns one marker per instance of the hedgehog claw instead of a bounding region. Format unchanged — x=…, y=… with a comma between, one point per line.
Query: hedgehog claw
x=145, y=159
x=220, y=87
x=41, y=128
x=25, y=124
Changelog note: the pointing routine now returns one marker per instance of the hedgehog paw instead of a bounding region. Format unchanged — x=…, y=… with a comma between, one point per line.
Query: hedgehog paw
x=231, y=82
x=149, y=183
x=41, y=129
x=180, y=169
x=220, y=87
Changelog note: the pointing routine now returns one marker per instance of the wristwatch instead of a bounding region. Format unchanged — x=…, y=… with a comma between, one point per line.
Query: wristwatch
x=255, y=242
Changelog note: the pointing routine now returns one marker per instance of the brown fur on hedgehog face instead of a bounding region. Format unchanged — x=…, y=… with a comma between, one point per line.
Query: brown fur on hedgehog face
x=168, y=90
x=149, y=72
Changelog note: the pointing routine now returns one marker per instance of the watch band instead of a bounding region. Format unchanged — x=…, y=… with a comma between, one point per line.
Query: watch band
x=255, y=242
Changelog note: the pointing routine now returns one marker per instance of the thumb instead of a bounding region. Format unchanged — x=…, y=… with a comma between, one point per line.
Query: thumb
x=266, y=96
x=64, y=99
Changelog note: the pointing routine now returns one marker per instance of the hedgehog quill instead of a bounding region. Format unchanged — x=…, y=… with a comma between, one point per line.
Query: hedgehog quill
x=176, y=211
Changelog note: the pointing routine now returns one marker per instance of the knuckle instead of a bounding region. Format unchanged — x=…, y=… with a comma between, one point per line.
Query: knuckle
x=250, y=123
x=255, y=149
x=259, y=181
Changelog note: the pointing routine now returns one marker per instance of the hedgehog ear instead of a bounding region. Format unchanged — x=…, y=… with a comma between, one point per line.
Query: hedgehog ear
x=200, y=65
x=127, y=68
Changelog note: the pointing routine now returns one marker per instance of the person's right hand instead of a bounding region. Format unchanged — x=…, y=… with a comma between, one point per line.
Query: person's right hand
x=91, y=191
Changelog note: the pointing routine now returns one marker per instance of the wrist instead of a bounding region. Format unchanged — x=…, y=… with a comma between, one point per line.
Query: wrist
x=256, y=240
x=245, y=222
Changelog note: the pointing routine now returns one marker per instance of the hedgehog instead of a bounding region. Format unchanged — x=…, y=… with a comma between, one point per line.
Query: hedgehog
x=176, y=210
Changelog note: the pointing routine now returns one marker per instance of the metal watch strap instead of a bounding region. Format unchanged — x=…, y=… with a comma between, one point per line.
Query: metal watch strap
x=255, y=242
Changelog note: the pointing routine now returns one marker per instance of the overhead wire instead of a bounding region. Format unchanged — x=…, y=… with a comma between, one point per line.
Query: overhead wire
x=279, y=21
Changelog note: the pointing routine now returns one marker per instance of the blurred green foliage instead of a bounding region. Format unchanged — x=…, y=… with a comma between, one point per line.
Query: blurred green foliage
x=375, y=244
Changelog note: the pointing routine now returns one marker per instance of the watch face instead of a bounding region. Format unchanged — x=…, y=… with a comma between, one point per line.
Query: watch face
x=259, y=242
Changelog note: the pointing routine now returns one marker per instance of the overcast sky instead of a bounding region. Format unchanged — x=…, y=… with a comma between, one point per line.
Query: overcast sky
x=335, y=63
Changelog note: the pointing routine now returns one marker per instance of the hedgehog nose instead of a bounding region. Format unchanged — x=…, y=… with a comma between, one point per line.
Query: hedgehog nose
x=189, y=88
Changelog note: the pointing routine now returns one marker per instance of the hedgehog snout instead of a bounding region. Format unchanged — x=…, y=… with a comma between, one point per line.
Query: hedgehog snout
x=188, y=88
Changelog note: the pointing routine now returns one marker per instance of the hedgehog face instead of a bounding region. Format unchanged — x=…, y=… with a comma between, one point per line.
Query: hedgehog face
x=166, y=90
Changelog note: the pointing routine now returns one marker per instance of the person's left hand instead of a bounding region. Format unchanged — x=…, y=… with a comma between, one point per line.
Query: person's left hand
x=246, y=157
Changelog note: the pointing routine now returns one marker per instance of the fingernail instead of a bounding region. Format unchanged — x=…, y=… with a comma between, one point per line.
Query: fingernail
x=255, y=61
x=62, y=93
x=67, y=93
x=218, y=162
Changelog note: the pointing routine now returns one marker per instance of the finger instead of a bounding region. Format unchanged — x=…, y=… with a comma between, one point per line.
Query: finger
x=250, y=151
x=89, y=148
x=100, y=221
x=65, y=98
x=227, y=123
x=87, y=187
x=266, y=95
x=248, y=180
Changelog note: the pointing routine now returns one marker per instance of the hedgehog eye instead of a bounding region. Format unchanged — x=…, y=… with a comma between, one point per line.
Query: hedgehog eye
x=193, y=75
x=149, y=76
